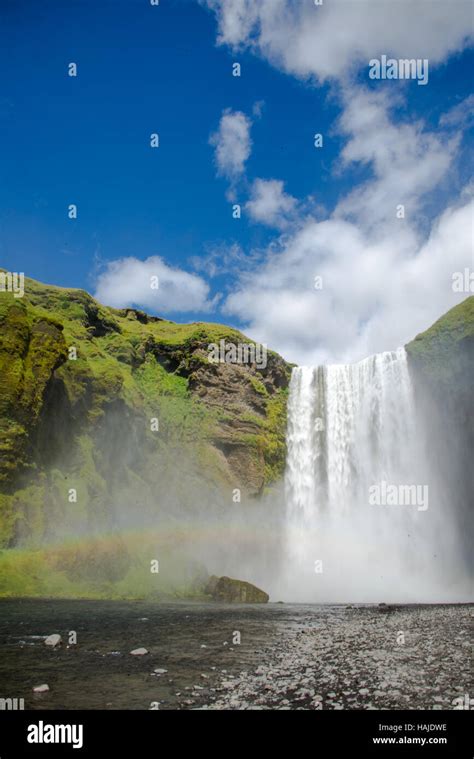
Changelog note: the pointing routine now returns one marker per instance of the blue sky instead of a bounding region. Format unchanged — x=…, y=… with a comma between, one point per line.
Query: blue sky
x=141, y=69
x=168, y=69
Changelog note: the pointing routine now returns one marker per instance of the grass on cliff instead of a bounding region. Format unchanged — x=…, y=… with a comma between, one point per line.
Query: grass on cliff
x=446, y=349
x=118, y=371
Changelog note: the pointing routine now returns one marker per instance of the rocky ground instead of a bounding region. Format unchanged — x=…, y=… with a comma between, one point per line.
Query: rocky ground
x=370, y=658
x=143, y=655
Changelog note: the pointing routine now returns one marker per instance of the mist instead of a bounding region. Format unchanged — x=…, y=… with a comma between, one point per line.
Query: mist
x=331, y=531
x=360, y=443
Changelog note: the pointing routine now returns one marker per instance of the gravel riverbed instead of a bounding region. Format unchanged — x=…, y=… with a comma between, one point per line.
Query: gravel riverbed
x=371, y=658
x=212, y=656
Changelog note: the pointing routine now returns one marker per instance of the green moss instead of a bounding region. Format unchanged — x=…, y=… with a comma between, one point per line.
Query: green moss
x=454, y=326
x=445, y=351
x=21, y=574
x=105, y=567
x=258, y=386
x=155, y=381
x=254, y=419
x=274, y=443
x=95, y=435
x=180, y=415
x=8, y=518
x=31, y=348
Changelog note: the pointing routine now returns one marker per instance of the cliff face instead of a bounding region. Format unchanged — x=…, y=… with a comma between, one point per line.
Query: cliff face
x=444, y=353
x=115, y=404
x=441, y=362
x=31, y=349
x=115, y=427
x=442, y=365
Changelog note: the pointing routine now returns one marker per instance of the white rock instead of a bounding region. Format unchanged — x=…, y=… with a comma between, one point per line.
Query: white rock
x=139, y=652
x=41, y=688
x=160, y=671
x=52, y=640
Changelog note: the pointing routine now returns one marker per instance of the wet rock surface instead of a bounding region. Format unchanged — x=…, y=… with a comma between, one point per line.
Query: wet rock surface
x=228, y=590
x=218, y=656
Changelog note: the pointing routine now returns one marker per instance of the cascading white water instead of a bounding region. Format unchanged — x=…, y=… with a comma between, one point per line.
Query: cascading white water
x=349, y=426
x=352, y=427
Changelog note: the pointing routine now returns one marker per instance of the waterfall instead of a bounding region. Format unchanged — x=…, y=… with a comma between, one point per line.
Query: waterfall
x=352, y=431
x=349, y=426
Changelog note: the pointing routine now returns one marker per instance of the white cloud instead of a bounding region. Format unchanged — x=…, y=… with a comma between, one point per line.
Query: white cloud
x=406, y=161
x=232, y=143
x=461, y=114
x=224, y=258
x=269, y=204
x=258, y=108
x=128, y=282
x=376, y=295
x=382, y=280
x=330, y=40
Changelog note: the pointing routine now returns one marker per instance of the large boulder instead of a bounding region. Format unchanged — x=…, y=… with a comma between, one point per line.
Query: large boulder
x=231, y=591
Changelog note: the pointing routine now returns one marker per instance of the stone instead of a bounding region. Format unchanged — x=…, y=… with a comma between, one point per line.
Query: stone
x=41, y=688
x=53, y=640
x=139, y=652
x=228, y=590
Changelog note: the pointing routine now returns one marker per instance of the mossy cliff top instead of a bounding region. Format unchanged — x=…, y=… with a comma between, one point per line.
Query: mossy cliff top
x=444, y=353
x=80, y=384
